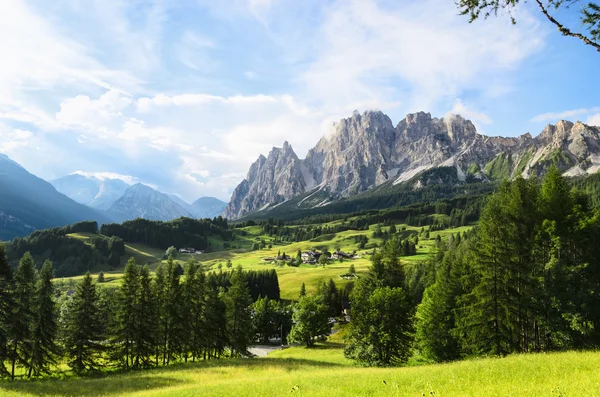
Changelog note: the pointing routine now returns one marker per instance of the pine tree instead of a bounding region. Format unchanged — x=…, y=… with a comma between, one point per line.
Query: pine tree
x=435, y=319
x=6, y=307
x=302, y=290
x=126, y=316
x=22, y=316
x=239, y=319
x=44, y=350
x=146, y=332
x=84, y=333
x=193, y=300
x=159, y=293
x=215, y=320
x=174, y=329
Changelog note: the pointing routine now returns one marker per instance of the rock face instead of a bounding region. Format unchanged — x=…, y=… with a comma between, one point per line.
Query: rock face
x=141, y=201
x=272, y=179
x=366, y=150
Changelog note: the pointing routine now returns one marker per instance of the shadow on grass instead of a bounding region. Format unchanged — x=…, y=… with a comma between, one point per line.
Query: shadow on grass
x=89, y=387
x=120, y=383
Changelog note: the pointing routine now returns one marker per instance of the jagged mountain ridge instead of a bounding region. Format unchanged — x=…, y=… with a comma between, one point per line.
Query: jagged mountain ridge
x=366, y=150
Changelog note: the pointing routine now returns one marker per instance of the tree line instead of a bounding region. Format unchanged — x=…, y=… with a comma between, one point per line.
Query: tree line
x=182, y=232
x=524, y=280
x=150, y=320
x=70, y=256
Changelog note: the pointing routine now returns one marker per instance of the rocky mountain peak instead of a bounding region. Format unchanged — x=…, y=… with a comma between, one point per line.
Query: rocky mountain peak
x=458, y=128
x=366, y=150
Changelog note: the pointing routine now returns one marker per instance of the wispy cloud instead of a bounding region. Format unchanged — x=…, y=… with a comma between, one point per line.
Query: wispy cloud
x=185, y=95
x=564, y=115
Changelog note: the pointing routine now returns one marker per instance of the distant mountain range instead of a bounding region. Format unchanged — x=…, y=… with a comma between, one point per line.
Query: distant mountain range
x=367, y=151
x=94, y=192
x=28, y=203
x=121, y=201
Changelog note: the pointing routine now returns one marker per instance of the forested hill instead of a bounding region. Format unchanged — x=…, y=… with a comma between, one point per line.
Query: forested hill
x=182, y=232
x=73, y=256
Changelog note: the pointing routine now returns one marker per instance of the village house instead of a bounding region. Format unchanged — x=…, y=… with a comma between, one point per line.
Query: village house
x=341, y=254
x=187, y=250
x=310, y=257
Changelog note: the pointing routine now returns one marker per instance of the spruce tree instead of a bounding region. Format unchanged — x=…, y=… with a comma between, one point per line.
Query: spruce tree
x=22, y=315
x=127, y=322
x=237, y=299
x=84, y=331
x=146, y=331
x=44, y=350
x=173, y=324
x=158, y=292
x=215, y=320
x=193, y=303
x=302, y=290
x=6, y=307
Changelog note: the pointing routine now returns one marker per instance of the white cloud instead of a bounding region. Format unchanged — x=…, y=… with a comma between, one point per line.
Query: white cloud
x=364, y=47
x=105, y=86
x=594, y=120
x=470, y=114
x=564, y=115
x=108, y=175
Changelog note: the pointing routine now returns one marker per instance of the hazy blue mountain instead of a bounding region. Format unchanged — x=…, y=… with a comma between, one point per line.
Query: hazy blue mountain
x=208, y=207
x=94, y=192
x=141, y=201
x=181, y=202
x=28, y=203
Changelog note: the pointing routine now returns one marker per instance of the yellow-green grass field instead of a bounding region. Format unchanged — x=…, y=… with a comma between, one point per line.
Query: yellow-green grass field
x=323, y=371
x=290, y=278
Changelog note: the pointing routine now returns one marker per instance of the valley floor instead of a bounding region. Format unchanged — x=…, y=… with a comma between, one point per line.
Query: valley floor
x=324, y=371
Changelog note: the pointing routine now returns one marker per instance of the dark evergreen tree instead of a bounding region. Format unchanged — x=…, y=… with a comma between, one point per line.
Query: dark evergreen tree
x=239, y=319
x=22, y=315
x=44, y=349
x=193, y=301
x=127, y=322
x=6, y=308
x=84, y=331
x=215, y=320
x=145, y=339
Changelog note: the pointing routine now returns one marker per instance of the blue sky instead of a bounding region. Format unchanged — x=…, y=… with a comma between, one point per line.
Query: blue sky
x=185, y=94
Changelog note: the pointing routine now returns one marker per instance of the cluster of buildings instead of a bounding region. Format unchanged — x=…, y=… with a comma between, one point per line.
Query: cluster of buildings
x=310, y=257
x=190, y=251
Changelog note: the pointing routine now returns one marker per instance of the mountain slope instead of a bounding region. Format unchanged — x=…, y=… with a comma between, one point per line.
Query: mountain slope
x=94, y=192
x=366, y=151
x=141, y=201
x=28, y=203
x=208, y=207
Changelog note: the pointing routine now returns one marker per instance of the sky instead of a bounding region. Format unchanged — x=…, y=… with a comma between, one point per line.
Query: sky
x=184, y=95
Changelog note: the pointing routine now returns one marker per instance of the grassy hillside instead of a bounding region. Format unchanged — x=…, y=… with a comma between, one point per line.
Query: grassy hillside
x=324, y=371
x=290, y=278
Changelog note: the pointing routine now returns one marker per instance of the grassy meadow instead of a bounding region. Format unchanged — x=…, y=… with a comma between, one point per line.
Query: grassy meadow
x=323, y=371
x=290, y=278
